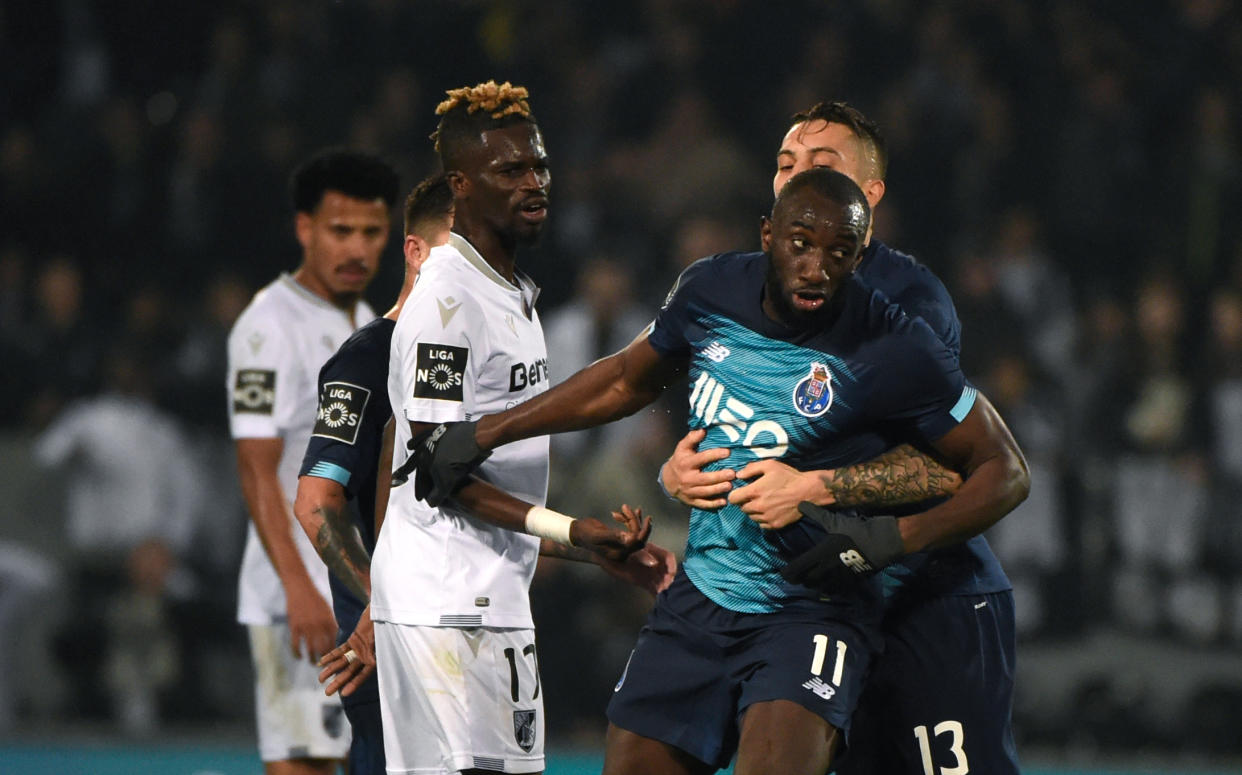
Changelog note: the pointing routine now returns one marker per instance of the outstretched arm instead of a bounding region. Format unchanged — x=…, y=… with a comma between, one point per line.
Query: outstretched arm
x=497, y=507
x=607, y=390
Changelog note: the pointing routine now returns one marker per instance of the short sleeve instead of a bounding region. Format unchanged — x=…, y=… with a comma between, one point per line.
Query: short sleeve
x=925, y=392
x=927, y=298
x=436, y=347
x=668, y=332
x=349, y=423
x=262, y=379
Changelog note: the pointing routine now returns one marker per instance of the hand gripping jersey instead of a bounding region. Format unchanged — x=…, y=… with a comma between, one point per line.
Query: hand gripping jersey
x=467, y=343
x=275, y=350
x=968, y=568
x=815, y=399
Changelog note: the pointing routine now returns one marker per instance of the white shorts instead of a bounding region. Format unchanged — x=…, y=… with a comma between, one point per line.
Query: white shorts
x=296, y=720
x=453, y=699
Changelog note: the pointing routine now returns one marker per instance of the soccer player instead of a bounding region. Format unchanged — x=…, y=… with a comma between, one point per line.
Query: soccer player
x=454, y=638
x=791, y=357
x=342, y=200
x=337, y=486
x=941, y=696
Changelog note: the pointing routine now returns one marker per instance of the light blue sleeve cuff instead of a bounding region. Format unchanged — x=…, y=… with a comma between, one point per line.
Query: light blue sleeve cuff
x=964, y=403
x=326, y=470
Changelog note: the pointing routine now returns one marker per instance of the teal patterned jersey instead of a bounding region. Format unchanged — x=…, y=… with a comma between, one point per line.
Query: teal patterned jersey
x=868, y=379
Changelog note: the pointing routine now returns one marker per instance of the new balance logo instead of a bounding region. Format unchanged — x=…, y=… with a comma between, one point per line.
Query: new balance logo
x=822, y=690
x=854, y=561
x=716, y=351
x=430, y=443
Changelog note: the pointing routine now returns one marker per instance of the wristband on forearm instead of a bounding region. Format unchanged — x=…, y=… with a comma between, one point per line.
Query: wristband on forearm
x=549, y=524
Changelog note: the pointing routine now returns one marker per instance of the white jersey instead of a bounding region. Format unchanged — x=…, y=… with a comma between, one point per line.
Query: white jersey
x=467, y=343
x=276, y=349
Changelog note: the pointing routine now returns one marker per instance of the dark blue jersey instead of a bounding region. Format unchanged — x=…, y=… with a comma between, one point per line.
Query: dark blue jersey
x=349, y=432
x=971, y=567
x=913, y=287
x=870, y=378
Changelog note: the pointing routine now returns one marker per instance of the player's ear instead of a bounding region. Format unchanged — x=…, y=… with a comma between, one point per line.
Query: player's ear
x=303, y=225
x=765, y=233
x=416, y=250
x=874, y=191
x=458, y=183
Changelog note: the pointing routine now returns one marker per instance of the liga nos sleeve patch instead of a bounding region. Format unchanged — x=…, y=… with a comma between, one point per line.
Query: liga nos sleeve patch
x=341, y=406
x=439, y=371
x=254, y=391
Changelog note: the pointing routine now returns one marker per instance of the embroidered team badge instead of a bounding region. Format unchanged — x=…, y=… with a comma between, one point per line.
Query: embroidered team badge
x=813, y=395
x=524, y=729
x=333, y=720
x=341, y=406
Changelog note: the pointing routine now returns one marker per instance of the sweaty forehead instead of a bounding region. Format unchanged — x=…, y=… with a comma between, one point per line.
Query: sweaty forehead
x=817, y=210
x=511, y=142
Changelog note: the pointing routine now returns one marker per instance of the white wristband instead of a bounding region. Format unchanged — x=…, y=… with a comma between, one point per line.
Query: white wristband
x=549, y=524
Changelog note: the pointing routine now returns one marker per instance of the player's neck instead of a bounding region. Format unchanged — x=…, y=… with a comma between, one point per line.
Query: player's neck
x=406, y=287
x=499, y=251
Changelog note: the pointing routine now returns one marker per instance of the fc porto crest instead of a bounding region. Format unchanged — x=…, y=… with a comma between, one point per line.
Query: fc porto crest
x=813, y=395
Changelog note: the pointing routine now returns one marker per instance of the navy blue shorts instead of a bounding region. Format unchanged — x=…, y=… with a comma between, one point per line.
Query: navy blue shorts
x=366, y=749
x=941, y=693
x=698, y=666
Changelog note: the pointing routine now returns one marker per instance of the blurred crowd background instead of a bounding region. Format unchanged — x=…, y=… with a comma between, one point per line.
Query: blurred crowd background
x=1070, y=168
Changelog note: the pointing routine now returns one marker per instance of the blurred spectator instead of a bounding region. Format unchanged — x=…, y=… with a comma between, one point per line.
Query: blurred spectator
x=1032, y=542
x=1034, y=288
x=1161, y=491
x=193, y=390
x=1213, y=181
x=62, y=344
x=990, y=327
x=133, y=487
x=602, y=319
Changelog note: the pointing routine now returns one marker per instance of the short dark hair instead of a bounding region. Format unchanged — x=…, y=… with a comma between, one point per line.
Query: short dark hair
x=470, y=111
x=829, y=183
x=847, y=115
x=428, y=206
x=354, y=173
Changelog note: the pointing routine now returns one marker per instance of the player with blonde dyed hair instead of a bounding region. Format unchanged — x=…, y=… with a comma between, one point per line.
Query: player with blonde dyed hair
x=454, y=638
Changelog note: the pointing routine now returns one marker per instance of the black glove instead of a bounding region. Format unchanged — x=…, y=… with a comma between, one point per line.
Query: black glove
x=855, y=548
x=442, y=459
